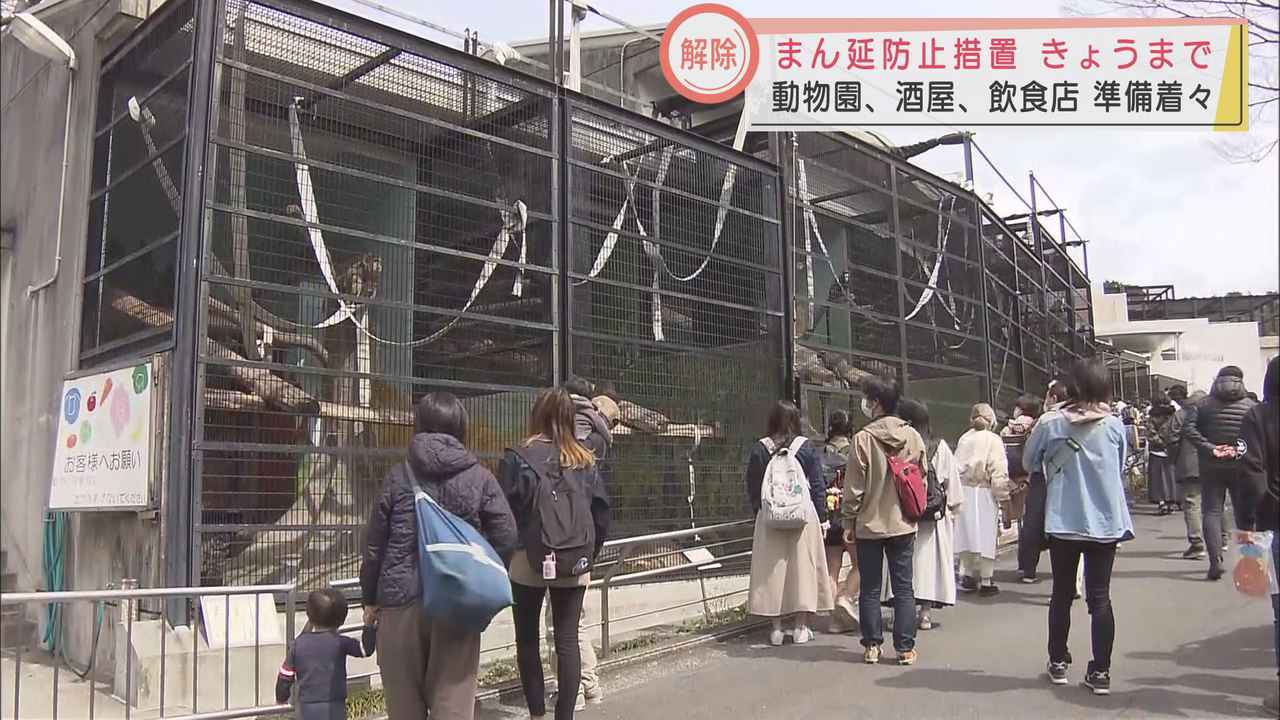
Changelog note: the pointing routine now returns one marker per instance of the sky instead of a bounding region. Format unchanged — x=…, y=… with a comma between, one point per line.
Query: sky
x=1156, y=206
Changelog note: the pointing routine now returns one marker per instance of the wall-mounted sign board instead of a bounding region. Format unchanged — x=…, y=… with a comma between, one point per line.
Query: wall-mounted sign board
x=102, y=457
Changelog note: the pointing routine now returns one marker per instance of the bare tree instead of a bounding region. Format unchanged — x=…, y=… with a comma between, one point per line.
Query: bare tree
x=1263, y=17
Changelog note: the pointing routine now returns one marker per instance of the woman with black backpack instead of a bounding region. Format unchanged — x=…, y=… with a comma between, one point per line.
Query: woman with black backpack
x=562, y=512
x=933, y=579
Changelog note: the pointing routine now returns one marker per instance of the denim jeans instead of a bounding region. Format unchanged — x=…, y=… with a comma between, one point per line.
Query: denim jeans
x=1099, y=558
x=1031, y=527
x=898, y=550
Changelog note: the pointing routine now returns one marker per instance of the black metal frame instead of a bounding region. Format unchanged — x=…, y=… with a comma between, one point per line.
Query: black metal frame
x=194, y=438
x=199, y=370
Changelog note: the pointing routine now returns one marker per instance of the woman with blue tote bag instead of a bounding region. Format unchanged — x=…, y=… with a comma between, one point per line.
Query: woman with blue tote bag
x=429, y=664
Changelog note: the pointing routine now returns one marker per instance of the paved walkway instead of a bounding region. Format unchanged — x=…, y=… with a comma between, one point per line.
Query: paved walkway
x=1185, y=648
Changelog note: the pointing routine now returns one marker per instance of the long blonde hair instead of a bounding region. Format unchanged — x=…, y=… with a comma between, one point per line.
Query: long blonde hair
x=552, y=420
x=983, y=417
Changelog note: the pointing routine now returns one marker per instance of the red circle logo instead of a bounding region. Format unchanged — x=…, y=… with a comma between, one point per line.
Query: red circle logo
x=709, y=53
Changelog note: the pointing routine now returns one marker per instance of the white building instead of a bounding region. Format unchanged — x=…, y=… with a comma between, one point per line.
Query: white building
x=1190, y=350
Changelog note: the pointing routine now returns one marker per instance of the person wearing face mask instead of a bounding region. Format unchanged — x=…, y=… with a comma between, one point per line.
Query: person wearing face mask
x=873, y=521
x=984, y=473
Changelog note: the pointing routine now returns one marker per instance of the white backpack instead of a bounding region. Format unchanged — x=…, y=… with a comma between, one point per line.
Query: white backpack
x=784, y=493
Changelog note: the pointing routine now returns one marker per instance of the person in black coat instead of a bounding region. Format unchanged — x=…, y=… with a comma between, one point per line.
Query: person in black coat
x=428, y=666
x=1260, y=433
x=1187, y=469
x=551, y=454
x=1215, y=435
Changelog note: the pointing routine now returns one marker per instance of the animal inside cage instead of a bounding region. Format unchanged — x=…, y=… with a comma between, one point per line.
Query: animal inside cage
x=383, y=218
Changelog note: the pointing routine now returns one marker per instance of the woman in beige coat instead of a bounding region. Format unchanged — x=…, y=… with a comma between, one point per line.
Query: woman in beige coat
x=984, y=473
x=788, y=566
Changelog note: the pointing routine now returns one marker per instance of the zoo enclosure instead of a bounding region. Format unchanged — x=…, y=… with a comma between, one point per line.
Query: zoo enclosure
x=323, y=219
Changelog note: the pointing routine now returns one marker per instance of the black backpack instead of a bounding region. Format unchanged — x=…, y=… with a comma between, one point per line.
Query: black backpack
x=834, y=465
x=935, y=502
x=561, y=525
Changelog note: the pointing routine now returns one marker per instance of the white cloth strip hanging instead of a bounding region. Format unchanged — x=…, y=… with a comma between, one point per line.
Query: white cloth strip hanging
x=514, y=224
x=652, y=249
x=311, y=214
x=811, y=221
x=693, y=477
x=932, y=284
x=611, y=239
x=722, y=209
x=162, y=173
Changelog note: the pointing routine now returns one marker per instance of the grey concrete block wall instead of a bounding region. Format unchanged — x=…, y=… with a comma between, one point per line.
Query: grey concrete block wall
x=43, y=330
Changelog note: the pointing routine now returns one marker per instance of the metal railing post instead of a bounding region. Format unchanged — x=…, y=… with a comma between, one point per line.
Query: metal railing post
x=290, y=604
x=604, y=619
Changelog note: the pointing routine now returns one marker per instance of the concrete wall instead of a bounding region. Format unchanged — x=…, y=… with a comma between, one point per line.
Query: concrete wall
x=1202, y=347
x=1206, y=347
x=42, y=331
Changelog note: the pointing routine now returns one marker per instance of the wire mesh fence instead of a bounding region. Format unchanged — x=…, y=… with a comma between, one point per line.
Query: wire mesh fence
x=382, y=217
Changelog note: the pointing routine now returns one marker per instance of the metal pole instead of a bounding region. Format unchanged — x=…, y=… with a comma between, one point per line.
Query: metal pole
x=968, y=162
x=573, y=79
x=604, y=620
x=786, y=174
x=982, y=264
x=901, y=284
x=1038, y=243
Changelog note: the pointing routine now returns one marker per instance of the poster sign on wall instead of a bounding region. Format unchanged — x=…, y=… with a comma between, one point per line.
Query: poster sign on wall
x=102, y=459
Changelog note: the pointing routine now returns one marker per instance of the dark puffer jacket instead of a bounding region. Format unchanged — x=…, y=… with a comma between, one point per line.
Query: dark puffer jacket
x=464, y=487
x=1218, y=419
x=1260, y=431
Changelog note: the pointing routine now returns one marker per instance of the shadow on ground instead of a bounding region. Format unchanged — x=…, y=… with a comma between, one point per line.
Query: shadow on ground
x=1144, y=700
x=1245, y=648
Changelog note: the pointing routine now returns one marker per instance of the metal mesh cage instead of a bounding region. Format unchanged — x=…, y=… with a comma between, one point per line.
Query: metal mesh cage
x=675, y=306
x=134, y=209
x=387, y=220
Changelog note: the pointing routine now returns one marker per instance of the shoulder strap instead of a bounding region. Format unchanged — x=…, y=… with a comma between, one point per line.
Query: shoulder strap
x=1058, y=459
x=531, y=457
x=769, y=445
x=798, y=443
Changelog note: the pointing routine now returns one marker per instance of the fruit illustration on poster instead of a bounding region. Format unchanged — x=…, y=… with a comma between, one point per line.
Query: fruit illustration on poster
x=119, y=412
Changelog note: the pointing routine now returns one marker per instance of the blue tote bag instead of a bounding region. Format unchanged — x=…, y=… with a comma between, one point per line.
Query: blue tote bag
x=463, y=580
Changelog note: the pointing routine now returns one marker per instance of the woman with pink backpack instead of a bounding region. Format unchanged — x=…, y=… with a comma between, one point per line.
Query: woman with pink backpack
x=787, y=492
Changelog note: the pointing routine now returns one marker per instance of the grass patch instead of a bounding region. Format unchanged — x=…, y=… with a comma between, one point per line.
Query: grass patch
x=361, y=704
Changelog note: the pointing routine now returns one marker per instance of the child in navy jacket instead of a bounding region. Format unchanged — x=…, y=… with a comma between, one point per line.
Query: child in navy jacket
x=317, y=662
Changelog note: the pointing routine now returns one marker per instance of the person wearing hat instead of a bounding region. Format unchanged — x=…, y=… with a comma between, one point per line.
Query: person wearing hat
x=1216, y=437
x=984, y=475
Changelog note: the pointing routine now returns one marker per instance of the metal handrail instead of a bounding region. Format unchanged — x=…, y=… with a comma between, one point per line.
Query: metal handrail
x=72, y=595
x=611, y=578
x=128, y=608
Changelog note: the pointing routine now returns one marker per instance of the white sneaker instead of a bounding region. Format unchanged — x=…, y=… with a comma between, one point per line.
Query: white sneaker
x=595, y=696
x=776, y=637
x=802, y=635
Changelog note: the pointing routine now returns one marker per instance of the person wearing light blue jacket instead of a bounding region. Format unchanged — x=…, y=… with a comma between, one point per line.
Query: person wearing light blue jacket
x=1081, y=448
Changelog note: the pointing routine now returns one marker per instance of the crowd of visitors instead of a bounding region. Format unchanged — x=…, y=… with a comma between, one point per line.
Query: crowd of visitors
x=916, y=521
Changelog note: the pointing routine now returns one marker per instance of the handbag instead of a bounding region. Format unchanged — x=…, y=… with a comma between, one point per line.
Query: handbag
x=464, y=582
